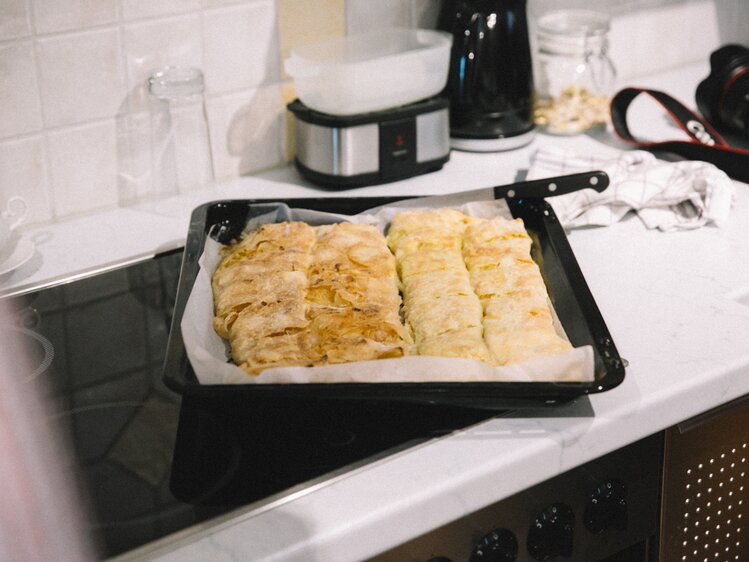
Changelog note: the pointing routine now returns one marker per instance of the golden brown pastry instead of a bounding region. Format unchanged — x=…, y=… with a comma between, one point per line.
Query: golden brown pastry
x=353, y=296
x=517, y=317
x=471, y=289
x=264, y=271
x=260, y=289
x=290, y=294
x=440, y=307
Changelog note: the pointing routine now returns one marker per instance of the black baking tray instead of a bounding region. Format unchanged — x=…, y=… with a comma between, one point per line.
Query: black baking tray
x=568, y=291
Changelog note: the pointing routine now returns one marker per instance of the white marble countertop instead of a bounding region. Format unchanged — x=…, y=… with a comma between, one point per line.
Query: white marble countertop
x=677, y=306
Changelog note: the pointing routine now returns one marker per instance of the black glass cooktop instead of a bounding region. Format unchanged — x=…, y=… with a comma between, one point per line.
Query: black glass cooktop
x=151, y=463
x=99, y=346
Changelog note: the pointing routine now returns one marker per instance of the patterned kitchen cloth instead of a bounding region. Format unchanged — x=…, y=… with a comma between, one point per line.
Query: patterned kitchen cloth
x=669, y=196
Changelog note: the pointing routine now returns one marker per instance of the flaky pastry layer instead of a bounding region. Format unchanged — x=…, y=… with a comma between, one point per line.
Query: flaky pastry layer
x=290, y=294
x=441, y=284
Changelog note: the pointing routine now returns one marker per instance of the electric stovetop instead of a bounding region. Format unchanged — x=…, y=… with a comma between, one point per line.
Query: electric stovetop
x=151, y=462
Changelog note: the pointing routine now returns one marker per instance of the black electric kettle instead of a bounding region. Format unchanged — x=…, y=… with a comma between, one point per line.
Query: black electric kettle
x=490, y=81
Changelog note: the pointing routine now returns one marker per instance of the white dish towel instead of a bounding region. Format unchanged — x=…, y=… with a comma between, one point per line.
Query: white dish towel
x=669, y=196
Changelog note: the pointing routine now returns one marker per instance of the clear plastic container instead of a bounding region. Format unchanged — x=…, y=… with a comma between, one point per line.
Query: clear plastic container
x=371, y=71
x=575, y=74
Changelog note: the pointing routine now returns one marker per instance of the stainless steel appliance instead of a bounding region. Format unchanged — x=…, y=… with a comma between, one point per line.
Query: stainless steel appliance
x=705, y=503
x=342, y=151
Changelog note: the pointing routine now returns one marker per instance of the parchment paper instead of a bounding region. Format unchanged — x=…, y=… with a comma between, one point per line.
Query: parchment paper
x=209, y=354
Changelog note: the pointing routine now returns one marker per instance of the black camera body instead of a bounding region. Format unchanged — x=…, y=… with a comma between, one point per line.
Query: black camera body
x=723, y=97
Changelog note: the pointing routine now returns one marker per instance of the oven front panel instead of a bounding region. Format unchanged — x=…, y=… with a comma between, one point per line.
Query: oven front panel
x=606, y=509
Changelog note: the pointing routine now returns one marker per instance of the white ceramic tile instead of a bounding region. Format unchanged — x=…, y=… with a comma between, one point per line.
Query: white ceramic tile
x=83, y=165
x=241, y=47
x=424, y=13
x=137, y=9
x=246, y=131
x=60, y=15
x=151, y=45
x=134, y=154
x=23, y=171
x=81, y=77
x=733, y=15
x=365, y=15
x=19, y=100
x=699, y=23
x=646, y=41
x=14, y=21
x=220, y=3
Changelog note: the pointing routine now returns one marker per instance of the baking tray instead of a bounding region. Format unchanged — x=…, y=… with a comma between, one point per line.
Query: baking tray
x=568, y=291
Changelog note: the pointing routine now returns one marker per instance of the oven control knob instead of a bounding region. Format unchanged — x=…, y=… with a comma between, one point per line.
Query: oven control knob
x=606, y=507
x=500, y=545
x=551, y=533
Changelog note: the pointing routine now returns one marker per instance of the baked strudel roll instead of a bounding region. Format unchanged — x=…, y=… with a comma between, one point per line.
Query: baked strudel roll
x=353, y=296
x=289, y=294
x=517, y=316
x=259, y=291
x=471, y=289
x=440, y=307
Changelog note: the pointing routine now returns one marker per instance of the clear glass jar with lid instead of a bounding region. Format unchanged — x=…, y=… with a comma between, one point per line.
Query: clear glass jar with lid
x=575, y=74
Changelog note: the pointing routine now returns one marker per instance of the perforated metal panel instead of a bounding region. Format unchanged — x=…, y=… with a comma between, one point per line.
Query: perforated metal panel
x=705, y=509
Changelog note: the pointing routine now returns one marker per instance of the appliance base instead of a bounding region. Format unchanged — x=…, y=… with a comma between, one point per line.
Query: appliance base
x=499, y=144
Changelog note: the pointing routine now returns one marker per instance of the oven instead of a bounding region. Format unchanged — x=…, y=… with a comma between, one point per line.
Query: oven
x=151, y=462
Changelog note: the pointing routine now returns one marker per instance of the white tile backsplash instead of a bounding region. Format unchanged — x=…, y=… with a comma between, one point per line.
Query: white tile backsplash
x=19, y=101
x=73, y=111
x=50, y=16
x=218, y=3
x=23, y=171
x=241, y=47
x=647, y=41
x=73, y=79
x=425, y=13
x=138, y=9
x=83, y=166
x=246, y=130
x=364, y=15
x=150, y=45
x=14, y=21
x=81, y=76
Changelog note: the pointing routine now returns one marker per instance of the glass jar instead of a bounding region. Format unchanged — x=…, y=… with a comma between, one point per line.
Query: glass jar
x=180, y=143
x=575, y=74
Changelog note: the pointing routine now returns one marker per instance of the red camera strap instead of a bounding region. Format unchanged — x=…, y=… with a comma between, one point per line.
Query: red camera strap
x=706, y=143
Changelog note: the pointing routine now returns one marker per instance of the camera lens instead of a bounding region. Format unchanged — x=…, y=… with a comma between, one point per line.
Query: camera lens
x=723, y=97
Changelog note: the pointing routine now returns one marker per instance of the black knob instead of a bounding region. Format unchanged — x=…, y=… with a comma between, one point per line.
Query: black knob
x=551, y=534
x=440, y=559
x=499, y=545
x=606, y=507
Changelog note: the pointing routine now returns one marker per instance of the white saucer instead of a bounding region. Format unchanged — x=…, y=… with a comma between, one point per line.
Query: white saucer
x=19, y=255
